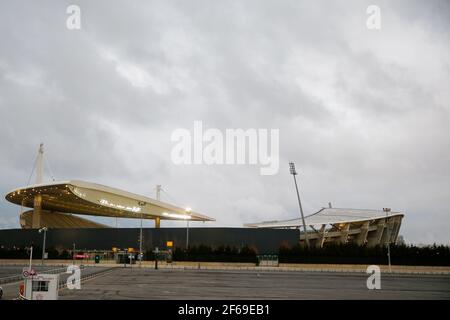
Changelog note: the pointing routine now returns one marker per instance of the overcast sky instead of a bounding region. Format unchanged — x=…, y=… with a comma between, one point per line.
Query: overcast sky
x=363, y=113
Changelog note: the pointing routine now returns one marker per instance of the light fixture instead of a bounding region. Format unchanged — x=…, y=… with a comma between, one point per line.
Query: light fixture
x=292, y=168
x=177, y=216
x=43, y=229
x=119, y=206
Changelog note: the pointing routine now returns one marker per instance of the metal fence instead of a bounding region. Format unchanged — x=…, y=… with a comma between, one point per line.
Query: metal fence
x=19, y=277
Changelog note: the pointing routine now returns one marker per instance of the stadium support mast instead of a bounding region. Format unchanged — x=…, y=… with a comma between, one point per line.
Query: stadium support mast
x=40, y=165
x=37, y=205
x=158, y=192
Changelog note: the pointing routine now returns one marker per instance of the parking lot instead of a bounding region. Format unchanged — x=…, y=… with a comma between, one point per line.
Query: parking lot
x=126, y=283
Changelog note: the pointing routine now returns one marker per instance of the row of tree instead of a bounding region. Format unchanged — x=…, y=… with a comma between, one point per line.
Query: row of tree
x=24, y=253
x=436, y=255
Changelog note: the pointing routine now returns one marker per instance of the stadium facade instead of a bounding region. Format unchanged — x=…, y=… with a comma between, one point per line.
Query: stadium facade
x=362, y=227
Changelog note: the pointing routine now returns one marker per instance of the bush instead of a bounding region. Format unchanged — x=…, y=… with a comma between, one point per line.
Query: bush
x=220, y=254
x=352, y=254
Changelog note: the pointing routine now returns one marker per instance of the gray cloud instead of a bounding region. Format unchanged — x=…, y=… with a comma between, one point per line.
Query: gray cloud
x=364, y=114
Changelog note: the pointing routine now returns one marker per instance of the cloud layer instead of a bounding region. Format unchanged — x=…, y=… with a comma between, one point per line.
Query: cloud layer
x=363, y=113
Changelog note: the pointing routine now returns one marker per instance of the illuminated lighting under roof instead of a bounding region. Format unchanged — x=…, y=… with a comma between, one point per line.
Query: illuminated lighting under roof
x=80, y=197
x=177, y=216
x=119, y=206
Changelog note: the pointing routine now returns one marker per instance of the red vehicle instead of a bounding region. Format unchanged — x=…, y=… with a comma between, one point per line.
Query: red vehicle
x=80, y=256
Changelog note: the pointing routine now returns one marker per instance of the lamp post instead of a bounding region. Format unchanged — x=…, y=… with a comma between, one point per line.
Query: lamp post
x=387, y=210
x=73, y=254
x=156, y=252
x=140, y=245
x=188, y=211
x=44, y=229
x=31, y=258
x=29, y=270
x=294, y=173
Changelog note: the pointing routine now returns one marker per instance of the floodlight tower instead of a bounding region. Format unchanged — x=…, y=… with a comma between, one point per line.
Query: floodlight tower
x=294, y=173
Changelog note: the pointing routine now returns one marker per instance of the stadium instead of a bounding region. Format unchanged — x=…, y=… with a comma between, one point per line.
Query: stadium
x=60, y=205
x=362, y=227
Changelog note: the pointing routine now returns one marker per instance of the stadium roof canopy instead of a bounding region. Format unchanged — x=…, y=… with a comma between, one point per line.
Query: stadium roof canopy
x=80, y=197
x=328, y=216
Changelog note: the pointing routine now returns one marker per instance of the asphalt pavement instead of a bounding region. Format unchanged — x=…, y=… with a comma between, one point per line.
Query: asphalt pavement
x=126, y=283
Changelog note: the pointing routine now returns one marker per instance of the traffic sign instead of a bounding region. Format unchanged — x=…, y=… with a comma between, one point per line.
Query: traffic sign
x=28, y=273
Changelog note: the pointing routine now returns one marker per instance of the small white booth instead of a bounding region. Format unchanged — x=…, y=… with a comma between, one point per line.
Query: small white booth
x=42, y=287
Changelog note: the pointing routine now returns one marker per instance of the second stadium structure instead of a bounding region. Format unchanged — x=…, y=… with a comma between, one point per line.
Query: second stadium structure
x=362, y=227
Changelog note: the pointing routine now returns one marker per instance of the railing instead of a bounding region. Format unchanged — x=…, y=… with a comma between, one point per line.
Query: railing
x=19, y=277
x=63, y=284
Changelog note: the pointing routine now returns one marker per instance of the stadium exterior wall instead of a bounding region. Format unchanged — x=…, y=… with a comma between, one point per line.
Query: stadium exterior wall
x=263, y=240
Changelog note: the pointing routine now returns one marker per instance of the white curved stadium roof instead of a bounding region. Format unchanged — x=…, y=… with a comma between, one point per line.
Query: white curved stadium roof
x=81, y=197
x=328, y=216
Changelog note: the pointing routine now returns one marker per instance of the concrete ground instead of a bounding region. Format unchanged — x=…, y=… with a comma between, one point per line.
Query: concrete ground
x=146, y=283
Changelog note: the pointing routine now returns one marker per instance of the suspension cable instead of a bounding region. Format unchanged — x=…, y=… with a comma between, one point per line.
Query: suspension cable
x=32, y=171
x=171, y=198
x=49, y=169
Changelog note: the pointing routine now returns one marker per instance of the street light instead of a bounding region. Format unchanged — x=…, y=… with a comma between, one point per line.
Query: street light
x=188, y=211
x=44, y=229
x=140, y=245
x=73, y=254
x=29, y=270
x=387, y=210
x=31, y=258
x=294, y=173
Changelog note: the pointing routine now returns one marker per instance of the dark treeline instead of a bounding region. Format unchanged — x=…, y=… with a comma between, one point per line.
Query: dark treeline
x=24, y=253
x=203, y=253
x=219, y=254
x=435, y=255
